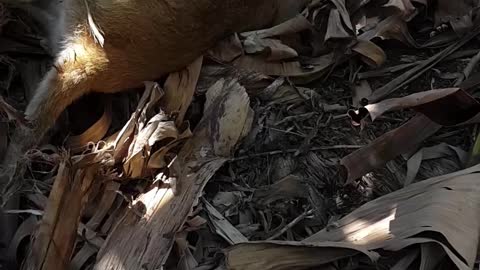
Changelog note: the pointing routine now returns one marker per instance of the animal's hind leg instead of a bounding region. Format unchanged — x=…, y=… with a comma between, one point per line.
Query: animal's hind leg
x=76, y=70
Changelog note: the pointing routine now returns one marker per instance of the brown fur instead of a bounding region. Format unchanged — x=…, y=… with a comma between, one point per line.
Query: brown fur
x=144, y=39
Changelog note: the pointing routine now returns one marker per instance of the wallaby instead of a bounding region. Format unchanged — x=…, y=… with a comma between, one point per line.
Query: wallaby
x=112, y=45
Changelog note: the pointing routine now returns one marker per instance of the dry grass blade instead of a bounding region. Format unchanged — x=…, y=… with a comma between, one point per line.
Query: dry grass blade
x=147, y=239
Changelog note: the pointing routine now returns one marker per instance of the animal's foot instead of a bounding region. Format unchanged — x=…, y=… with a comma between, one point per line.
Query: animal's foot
x=442, y=28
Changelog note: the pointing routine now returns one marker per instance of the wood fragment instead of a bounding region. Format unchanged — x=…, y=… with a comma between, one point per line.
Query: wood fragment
x=55, y=239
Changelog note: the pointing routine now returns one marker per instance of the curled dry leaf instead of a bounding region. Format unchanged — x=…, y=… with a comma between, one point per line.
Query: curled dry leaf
x=159, y=128
x=94, y=133
x=342, y=10
x=399, y=141
x=392, y=27
x=370, y=53
x=434, y=152
x=157, y=159
x=302, y=72
x=25, y=231
x=82, y=256
x=272, y=49
x=418, y=70
x=148, y=239
x=456, y=109
x=150, y=98
x=283, y=255
x=441, y=96
x=89, y=248
x=404, y=7
x=186, y=261
x=335, y=28
x=443, y=211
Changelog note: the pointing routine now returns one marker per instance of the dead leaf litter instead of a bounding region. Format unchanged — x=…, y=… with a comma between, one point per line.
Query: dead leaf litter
x=344, y=138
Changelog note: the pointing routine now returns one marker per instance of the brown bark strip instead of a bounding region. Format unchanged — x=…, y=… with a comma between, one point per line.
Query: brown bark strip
x=54, y=241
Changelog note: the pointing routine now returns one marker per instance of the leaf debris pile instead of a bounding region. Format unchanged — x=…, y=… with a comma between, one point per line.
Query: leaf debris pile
x=343, y=138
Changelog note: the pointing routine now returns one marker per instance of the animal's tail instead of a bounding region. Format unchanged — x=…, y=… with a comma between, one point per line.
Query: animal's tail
x=76, y=68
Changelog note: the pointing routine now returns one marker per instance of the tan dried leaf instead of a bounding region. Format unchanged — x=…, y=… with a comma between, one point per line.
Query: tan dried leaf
x=150, y=98
x=392, y=27
x=159, y=128
x=179, y=89
x=370, y=53
x=284, y=255
x=378, y=109
x=443, y=211
x=157, y=159
x=148, y=239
